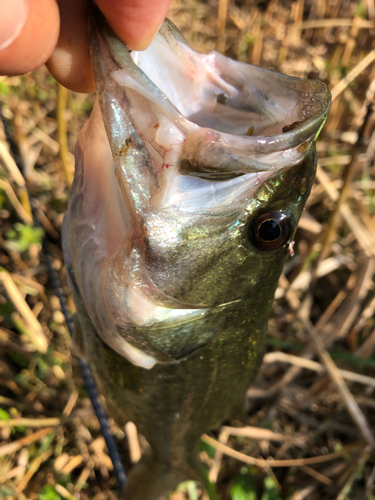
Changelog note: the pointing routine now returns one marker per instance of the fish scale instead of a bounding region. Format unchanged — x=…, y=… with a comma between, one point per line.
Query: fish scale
x=172, y=278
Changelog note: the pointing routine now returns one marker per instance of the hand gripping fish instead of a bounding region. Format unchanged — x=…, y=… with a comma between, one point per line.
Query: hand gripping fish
x=191, y=176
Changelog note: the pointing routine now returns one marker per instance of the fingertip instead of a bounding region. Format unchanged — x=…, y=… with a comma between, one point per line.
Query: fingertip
x=72, y=69
x=135, y=22
x=36, y=40
x=62, y=69
x=70, y=62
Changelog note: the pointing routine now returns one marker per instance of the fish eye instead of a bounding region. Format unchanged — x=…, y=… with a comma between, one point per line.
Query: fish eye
x=270, y=230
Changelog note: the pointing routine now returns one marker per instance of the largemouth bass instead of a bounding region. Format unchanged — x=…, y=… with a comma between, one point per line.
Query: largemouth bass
x=191, y=176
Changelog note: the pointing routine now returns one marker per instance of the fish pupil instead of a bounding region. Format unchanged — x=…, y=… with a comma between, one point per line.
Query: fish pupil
x=269, y=230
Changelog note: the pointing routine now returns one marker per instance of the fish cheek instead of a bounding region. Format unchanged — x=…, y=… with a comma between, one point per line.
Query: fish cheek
x=265, y=272
x=275, y=212
x=280, y=201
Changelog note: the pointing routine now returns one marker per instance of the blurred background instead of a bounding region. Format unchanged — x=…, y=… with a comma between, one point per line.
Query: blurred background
x=309, y=426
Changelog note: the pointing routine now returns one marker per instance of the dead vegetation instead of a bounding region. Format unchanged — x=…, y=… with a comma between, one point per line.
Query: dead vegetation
x=309, y=430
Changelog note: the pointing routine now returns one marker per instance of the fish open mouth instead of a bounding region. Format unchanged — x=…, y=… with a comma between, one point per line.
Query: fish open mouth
x=250, y=111
x=235, y=98
x=204, y=116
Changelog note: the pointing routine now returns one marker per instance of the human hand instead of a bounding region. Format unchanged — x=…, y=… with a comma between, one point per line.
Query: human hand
x=34, y=32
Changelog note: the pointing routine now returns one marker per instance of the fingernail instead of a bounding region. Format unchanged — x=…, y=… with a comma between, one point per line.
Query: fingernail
x=13, y=15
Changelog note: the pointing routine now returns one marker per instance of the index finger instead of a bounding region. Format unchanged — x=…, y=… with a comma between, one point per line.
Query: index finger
x=134, y=21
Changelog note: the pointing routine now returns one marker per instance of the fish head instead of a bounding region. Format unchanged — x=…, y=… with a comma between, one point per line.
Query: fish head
x=194, y=173
x=234, y=248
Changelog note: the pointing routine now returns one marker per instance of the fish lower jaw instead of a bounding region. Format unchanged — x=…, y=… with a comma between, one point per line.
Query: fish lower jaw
x=144, y=319
x=144, y=312
x=162, y=318
x=142, y=315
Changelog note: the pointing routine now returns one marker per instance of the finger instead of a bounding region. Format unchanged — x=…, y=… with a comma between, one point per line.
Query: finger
x=29, y=32
x=70, y=61
x=135, y=22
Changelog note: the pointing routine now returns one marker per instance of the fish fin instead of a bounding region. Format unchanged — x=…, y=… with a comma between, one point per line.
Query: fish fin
x=78, y=344
x=153, y=480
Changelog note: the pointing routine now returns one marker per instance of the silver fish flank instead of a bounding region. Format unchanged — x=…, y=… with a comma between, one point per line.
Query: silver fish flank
x=191, y=176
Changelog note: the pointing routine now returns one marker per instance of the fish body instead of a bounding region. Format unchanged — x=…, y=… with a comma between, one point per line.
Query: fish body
x=191, y=176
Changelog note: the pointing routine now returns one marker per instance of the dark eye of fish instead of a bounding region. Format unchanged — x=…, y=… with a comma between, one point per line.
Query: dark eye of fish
x=270, y=230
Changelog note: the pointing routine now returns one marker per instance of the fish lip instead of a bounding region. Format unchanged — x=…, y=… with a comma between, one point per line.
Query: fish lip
x=287, y=140
x=306, y=130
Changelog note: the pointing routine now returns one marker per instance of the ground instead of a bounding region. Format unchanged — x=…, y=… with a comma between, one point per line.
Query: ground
x=311, y=408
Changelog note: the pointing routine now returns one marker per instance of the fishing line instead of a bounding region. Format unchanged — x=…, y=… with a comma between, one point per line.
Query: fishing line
x=54, y=279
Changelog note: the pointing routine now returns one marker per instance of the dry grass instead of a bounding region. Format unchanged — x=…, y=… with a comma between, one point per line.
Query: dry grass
x=309, y=430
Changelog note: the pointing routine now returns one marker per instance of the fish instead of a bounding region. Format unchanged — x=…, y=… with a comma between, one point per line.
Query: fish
x=191, y=176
